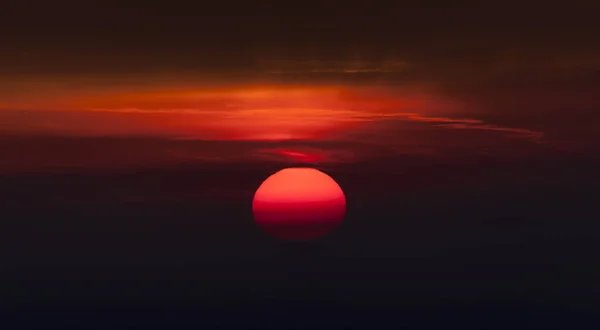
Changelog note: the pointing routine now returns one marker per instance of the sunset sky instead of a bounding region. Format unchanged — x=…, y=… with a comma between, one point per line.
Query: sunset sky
x=464, y=136
x=371, y=93
x=393, y=81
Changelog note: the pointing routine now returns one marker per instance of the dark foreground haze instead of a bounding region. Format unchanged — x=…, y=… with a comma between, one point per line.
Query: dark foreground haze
x=514, y=245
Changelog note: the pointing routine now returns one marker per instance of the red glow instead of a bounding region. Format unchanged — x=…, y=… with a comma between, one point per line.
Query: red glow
x=259, y=113
x=299, y=204
x=299, y=156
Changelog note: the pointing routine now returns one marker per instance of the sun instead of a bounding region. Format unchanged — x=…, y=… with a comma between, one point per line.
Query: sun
x=299, y=204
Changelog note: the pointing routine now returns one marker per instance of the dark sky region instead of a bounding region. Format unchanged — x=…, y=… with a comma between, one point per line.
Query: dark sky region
x=464, y=134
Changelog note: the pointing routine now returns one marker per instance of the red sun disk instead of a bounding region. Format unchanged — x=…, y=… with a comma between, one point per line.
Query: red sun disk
x=299, y=204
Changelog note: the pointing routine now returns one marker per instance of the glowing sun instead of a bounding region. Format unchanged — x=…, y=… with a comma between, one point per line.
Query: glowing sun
x=299, y=204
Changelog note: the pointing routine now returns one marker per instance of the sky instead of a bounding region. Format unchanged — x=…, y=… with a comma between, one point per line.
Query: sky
x=457, y=95
x=264, y=72
x=462, y=96
x=417, y=78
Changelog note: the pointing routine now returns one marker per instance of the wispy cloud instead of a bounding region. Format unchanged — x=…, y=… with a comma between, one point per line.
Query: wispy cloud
x=469, y=124
x=260, y=112
x=308, y=154
x=340, y=67
x=335, y=70
x=534, y=136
